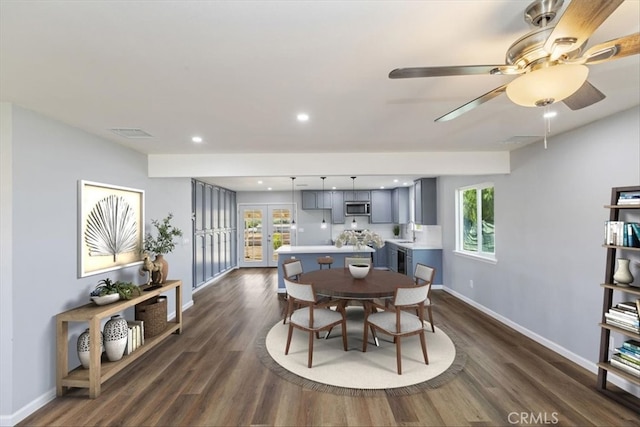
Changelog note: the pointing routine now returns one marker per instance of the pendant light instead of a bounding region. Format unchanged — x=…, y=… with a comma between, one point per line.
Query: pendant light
x=293, y=219
x=323, y=225
x=354, y=223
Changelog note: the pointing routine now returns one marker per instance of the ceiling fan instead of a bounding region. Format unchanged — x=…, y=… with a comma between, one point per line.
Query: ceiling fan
x=550, y=61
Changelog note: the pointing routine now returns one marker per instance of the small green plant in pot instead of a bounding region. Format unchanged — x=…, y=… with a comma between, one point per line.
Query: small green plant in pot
x=108, y=291
x=396, y=230
x=160, y=245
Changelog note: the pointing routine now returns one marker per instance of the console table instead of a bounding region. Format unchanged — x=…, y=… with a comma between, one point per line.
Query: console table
x=101, y=370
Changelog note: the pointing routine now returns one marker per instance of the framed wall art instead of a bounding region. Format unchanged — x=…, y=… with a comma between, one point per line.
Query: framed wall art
x=111, y=227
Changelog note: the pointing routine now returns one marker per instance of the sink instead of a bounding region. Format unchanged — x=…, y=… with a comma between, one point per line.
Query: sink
x=405, y=241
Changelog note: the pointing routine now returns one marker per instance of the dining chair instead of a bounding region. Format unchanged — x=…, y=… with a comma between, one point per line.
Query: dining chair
x=292, y=269
x=424, y=276
x=357, y=260
x=313, y=316
x=396, y=322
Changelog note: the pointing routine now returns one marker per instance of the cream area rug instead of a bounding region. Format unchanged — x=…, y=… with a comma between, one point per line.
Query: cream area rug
x=357, y=373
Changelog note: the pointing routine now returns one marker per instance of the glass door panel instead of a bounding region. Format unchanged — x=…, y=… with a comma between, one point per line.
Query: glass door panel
x=264, y=229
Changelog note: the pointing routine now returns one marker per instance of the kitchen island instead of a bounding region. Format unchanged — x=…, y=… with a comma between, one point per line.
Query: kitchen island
x=309, y=257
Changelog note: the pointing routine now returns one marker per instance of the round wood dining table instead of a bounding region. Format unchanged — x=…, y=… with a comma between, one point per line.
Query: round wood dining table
x=338, y=283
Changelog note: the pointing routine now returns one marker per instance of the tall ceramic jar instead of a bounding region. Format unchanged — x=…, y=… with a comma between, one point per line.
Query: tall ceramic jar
x=115, y=337
x=84, y=353
x=623, y=276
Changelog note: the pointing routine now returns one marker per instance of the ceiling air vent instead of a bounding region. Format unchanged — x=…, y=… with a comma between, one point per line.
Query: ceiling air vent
x=521, y=140
x=131, y=133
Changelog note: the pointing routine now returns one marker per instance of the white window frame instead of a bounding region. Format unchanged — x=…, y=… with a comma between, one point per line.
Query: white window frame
x=459, y=250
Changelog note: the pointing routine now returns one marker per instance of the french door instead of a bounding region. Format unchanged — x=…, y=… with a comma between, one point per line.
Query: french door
x=263, y=229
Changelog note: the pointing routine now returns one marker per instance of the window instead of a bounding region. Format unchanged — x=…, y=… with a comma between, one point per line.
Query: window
x=475, y=227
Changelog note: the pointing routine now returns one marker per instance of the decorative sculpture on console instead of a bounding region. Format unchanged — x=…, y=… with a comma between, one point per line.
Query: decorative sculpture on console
x=151, y=267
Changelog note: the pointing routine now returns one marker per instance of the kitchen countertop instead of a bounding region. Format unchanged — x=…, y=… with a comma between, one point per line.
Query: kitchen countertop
x=405, y=243
x=320, y=249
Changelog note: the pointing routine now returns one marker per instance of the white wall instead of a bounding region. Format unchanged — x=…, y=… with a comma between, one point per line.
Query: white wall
x=549, y=228
x=48, y=160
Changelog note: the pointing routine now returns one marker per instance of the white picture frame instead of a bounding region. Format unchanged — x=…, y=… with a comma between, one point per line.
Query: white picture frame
x=110, y=227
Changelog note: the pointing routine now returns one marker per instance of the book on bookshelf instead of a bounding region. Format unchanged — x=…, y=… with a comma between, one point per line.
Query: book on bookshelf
x=631, y=306
x=632, y=345
x=622, y=325
x=620, y=233
x=629, y=354
x=622, y=358
x=623, y=318
x=624, y=367
x=629, y=198
x=621, y=311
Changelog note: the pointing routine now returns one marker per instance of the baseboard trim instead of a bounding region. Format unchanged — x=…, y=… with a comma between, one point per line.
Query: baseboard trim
x=578, y=360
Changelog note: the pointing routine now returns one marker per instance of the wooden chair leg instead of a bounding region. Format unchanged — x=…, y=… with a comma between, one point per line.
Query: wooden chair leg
x=286, y=350
x=365, y=338
x=344, y=332
x=423, y=343
x=399, y=355
x=433, y=329
x=310, y=349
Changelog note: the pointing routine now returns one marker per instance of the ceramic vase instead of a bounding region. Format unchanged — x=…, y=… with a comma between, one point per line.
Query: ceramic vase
x=359, y=271
x=84, y=353
x=155, y=277
x=115, y=337
x=623, y=276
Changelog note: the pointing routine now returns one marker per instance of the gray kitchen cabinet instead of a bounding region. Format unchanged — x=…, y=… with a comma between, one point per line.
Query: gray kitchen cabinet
x=392, y=257
x=430, y=257
x=380, y=257
x=312, y=199
x=400, y=205
x=381, y=207
x=425, y=201
x=337, y=207
x=357, y=196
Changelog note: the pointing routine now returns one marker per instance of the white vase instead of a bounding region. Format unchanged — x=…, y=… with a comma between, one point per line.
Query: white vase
x=623, y=276
x=359, y=271
x=115, y=337
x=84, y=353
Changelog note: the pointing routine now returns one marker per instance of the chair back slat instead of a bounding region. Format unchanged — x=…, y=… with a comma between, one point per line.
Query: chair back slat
x=424, y=273
x=300, y=291
x=292, y=268
x=411, y=296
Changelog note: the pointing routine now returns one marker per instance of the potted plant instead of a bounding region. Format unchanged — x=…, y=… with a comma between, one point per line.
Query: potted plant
x=107, y=291
x=160, y=245
x=396, y=231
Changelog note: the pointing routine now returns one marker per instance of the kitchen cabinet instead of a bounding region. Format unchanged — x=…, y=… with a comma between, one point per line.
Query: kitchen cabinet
x=392, y=257
x=380, y=257
x=425, y=211
x=337, y=207
x=430, y=257
x=316, y=200
x=381, y=207
x=357, y=196
x=400, y=205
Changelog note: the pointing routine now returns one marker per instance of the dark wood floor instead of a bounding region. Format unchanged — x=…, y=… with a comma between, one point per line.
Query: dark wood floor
x=210, y=376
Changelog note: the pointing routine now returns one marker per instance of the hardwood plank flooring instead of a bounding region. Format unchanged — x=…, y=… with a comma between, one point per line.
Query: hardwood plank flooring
x=210, y=376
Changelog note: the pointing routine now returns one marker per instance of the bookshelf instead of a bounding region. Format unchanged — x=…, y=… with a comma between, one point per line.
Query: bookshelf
x=618, y=212
x=101, y=370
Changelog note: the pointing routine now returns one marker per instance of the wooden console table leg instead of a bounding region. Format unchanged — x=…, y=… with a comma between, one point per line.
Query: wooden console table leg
x=62, y=354
x=179, y=307
x=95, y=357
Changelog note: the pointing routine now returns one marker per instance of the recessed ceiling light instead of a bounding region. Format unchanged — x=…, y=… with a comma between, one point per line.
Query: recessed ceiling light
x=382, y=187
x=302, y=117
x=269, y=188
x=260, y=182
x=395, y=180
x=197, y=139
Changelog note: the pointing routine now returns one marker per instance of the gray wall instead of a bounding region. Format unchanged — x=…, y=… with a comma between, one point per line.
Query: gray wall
x=549, y=232
x=48, y=160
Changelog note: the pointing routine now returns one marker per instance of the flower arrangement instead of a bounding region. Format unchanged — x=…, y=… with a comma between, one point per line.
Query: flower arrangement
x=359, y=239
x=163, y=243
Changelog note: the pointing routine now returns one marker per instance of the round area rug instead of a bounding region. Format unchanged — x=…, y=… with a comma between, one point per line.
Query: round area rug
x=354, y=372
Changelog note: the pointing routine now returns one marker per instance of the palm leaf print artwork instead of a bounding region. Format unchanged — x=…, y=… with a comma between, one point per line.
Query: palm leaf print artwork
x=111, y=228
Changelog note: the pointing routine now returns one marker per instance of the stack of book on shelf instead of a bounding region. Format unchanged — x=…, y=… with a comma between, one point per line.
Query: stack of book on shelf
x=627, y=357
x=620, y=233
x=629, y=198
x=135, y=335
x=624, y=316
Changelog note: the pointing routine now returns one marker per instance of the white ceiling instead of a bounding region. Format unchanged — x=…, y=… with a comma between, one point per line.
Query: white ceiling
x=238, y=72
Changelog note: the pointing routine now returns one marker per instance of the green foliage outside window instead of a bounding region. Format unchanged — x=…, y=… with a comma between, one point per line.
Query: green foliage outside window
x=469, y=223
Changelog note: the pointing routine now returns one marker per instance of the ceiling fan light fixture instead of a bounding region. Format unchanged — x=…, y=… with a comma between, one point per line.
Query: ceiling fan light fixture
x=545, y=86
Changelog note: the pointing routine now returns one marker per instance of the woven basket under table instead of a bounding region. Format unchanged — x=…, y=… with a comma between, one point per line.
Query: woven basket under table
x=153, y=313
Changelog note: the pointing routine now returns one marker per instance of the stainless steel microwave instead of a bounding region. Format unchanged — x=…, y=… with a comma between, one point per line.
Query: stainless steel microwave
x=357, y=208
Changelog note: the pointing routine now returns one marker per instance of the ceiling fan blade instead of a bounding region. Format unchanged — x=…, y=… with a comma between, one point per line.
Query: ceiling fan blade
x=472, y=104
x=583, y=97
x=578, y=22
x=613, y=49
x=459, y=70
